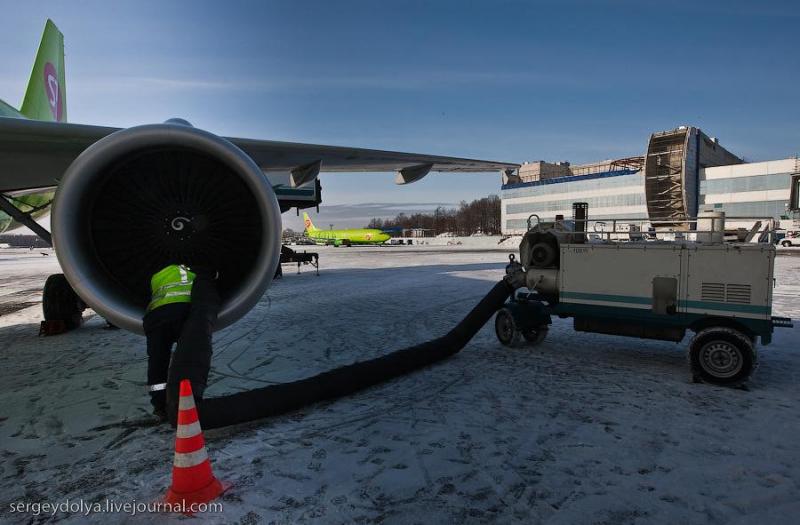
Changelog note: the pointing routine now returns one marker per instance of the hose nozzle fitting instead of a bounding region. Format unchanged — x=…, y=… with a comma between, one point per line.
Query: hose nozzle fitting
x=515, y=273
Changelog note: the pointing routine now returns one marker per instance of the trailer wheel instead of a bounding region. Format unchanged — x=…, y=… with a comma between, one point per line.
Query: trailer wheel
x=534, y=336
x=722, y=356
x=506, y=329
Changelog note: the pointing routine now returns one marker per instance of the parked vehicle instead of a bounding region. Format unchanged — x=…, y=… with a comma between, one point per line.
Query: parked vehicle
x=792, y=238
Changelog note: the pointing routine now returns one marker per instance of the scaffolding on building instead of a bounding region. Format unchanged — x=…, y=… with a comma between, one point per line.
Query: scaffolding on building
x=664, y=176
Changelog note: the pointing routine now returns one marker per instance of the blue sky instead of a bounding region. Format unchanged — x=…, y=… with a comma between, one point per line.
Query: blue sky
x=501, y=80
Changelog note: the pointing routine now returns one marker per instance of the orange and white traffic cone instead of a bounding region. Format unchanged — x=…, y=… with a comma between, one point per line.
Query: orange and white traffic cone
x=192, y=479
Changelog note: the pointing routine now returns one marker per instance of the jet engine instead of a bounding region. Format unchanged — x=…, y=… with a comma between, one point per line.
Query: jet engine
x=148, y=196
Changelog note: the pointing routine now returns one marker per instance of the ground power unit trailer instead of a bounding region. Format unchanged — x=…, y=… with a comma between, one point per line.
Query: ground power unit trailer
x=650, y=288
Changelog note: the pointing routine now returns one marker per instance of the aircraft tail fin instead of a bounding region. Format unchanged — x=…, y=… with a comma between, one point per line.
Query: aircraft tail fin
x=307, y=221
x=45, y=97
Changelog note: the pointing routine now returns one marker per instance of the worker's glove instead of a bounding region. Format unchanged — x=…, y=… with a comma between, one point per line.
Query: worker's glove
x=205, y=272
x=515, y=273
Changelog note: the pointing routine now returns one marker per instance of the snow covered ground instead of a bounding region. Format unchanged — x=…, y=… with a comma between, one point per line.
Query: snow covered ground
x=583, y=429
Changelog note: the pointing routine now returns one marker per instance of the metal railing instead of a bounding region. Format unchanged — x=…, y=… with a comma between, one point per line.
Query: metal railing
x=642, y=230
x=538, y=220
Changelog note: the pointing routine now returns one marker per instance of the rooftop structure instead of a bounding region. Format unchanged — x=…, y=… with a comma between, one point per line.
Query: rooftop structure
x=671, y=170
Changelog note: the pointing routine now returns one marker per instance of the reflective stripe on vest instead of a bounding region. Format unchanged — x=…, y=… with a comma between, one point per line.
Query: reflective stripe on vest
x=173, y=284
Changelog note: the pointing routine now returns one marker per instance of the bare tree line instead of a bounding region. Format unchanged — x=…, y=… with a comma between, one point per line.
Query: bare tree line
x=23, y=241
x=480, y=215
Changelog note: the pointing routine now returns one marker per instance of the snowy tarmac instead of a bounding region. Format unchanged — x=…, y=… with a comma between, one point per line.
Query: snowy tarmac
x=582, y=429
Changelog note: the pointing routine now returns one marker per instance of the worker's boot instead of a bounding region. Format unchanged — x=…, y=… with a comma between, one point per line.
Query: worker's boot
x=161, y=414
x=159, y=401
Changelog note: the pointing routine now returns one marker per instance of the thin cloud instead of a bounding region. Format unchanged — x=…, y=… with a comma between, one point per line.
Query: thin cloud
x=410, y=80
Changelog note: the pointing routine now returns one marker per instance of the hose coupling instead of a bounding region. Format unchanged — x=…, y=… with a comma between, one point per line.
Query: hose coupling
x=515, y=273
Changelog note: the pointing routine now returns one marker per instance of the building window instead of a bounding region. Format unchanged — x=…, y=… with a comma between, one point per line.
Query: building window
x=603, y=201
x=771, y=181
x=571, y=187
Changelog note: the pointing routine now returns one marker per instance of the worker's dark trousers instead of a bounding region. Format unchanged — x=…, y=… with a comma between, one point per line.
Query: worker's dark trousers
x=162, y=327
x=192, y=357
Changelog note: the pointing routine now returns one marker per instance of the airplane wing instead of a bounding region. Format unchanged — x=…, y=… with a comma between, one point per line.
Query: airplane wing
x=34, y=155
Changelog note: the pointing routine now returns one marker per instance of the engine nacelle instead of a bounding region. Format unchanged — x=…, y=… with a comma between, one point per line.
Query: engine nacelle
x=149, y=196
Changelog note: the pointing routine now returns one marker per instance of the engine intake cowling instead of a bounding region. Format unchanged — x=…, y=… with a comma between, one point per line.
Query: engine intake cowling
x=145, y=197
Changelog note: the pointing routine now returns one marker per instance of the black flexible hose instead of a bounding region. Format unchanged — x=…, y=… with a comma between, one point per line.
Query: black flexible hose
x=278, y=399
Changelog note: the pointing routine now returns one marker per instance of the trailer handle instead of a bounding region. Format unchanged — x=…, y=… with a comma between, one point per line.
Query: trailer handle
x=538, y=220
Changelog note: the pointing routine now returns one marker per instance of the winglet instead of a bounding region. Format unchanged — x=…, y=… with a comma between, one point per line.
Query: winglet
x=307, y=221
x=45, y=97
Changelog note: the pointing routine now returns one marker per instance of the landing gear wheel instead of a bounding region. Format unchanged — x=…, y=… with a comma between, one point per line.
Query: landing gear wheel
x=722, y=356
x=61, y=303
x=506, y=329
x=535, y=336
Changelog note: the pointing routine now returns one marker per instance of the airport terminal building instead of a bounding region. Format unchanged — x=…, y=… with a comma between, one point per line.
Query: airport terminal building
x=683, y=171
x=760, y=189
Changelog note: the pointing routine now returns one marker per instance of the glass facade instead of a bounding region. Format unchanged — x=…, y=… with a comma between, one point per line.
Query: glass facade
x=771, y=181
x=625, y=190
x=570, y=188
x=604, y=201
x=774, y=209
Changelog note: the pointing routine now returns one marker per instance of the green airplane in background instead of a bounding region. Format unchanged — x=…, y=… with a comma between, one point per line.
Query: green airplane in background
x=344, y=237
x=44, y=100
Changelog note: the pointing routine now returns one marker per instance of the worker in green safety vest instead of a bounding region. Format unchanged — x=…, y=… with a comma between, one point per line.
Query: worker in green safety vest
x=182, y=309
x=171, y=285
